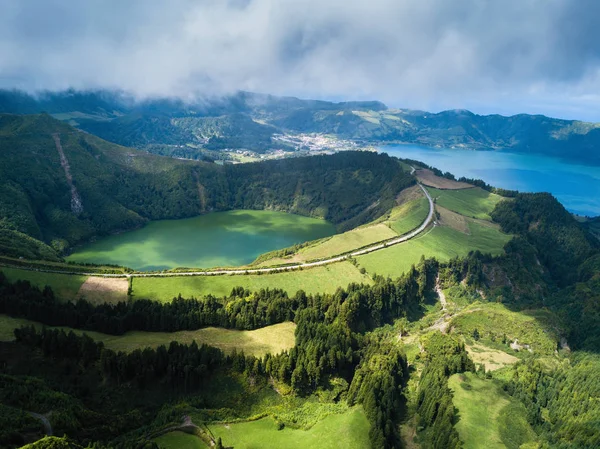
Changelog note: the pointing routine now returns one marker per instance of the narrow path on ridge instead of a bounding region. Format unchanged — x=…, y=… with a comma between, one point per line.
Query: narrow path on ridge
x=240, y=271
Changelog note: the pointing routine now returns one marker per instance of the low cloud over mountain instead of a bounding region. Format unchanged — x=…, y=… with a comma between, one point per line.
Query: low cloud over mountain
x=510, y=56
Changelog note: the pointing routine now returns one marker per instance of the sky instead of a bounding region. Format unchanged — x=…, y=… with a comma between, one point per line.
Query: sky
x=490, y=56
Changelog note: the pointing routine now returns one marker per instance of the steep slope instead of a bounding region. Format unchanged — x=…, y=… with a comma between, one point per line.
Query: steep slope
x=62, y=186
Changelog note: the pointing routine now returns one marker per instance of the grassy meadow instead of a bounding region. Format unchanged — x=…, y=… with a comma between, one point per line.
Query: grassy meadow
x=179, y=440
x=408, y=216
x=535, y=328
x=474, y=203
x=348, y=430
x=314, y=280
x=348, y=241
x=65, y=286
x=400, y=220
x=273, y=339
x=488, y=417
x=492, y=359
x=441, y=242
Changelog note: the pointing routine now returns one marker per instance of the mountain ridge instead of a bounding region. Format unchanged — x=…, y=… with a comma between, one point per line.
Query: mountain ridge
x=249, y=121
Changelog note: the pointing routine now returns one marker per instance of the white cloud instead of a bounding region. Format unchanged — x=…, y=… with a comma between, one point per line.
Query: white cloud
x=506, y=56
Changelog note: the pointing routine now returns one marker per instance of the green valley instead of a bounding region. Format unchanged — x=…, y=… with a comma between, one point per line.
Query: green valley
x=488, y=416
x=213, y=235
x=356, y=310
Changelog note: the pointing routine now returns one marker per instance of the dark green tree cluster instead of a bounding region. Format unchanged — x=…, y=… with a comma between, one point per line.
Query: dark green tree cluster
x=329, y=338
x=377, y=385
x=444, y=356
x=179, y=366
x=262, y=308
x=561, y=243
x=468, y=269
x=579, y=307
x=562, y=400
x=14, y=423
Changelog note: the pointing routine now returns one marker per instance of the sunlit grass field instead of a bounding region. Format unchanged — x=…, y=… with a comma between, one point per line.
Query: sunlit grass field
x=313, y=280
x=474, y=203
x=409, y=216
x=341, y=243
x=400, y=220
x=179, y=440
x=349, y=430
x=488, y=417
x=441, y=242
x=536, y=328
x=273, y=339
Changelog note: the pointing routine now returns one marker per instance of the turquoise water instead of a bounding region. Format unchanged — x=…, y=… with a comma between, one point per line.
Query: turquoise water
x=230, y=238
x=576, y=186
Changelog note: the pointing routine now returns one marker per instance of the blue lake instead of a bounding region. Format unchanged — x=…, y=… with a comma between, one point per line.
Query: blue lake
x=576, y=186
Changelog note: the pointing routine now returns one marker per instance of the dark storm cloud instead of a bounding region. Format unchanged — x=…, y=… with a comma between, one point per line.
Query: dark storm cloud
x=504, y=56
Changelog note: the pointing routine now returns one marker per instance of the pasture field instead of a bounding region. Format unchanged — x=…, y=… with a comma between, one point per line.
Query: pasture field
x=441, y=242
x=492, y=359
x=8, y=324
x=408, y=216
x=348, y=430
x=64, y=286
x=98, y=290
x=179, y=440
x=273, y=339
x=474, y=203
x=401, y=220
x=341, y=243
x=488, y=417
x=535, y=328
x=313, y=280
x=428, y=178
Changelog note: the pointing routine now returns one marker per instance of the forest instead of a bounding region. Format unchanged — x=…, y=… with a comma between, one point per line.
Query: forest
x=330, y=342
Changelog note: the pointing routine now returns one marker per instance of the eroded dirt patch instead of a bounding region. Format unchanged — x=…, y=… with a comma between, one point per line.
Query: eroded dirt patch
x=408, y=195
x=452, y=220
x=428, y=178
x=98, y=290
x=493, y=359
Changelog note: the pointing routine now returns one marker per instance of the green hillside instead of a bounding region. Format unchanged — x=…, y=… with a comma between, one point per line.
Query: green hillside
x=119, y=188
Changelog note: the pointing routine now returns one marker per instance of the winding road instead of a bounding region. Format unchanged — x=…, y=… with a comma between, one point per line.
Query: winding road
x=239, y=271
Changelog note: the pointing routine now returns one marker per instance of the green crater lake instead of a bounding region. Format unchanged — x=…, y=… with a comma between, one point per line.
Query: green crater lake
x=217, y=239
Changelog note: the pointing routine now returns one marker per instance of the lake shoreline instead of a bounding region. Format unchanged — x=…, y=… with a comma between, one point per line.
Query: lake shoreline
x=575, y=185
x=223, y=238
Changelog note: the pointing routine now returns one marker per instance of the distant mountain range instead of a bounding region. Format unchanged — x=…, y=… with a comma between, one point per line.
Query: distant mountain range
x=249, y=121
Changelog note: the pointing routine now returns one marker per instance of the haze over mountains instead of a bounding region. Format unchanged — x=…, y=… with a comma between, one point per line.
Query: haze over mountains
x=249, y=121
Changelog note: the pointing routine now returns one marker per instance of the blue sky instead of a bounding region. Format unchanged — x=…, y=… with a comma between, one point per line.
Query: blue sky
x=490, y=56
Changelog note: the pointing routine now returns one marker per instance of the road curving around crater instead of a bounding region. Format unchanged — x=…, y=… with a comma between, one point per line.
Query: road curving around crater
x=279, y=269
